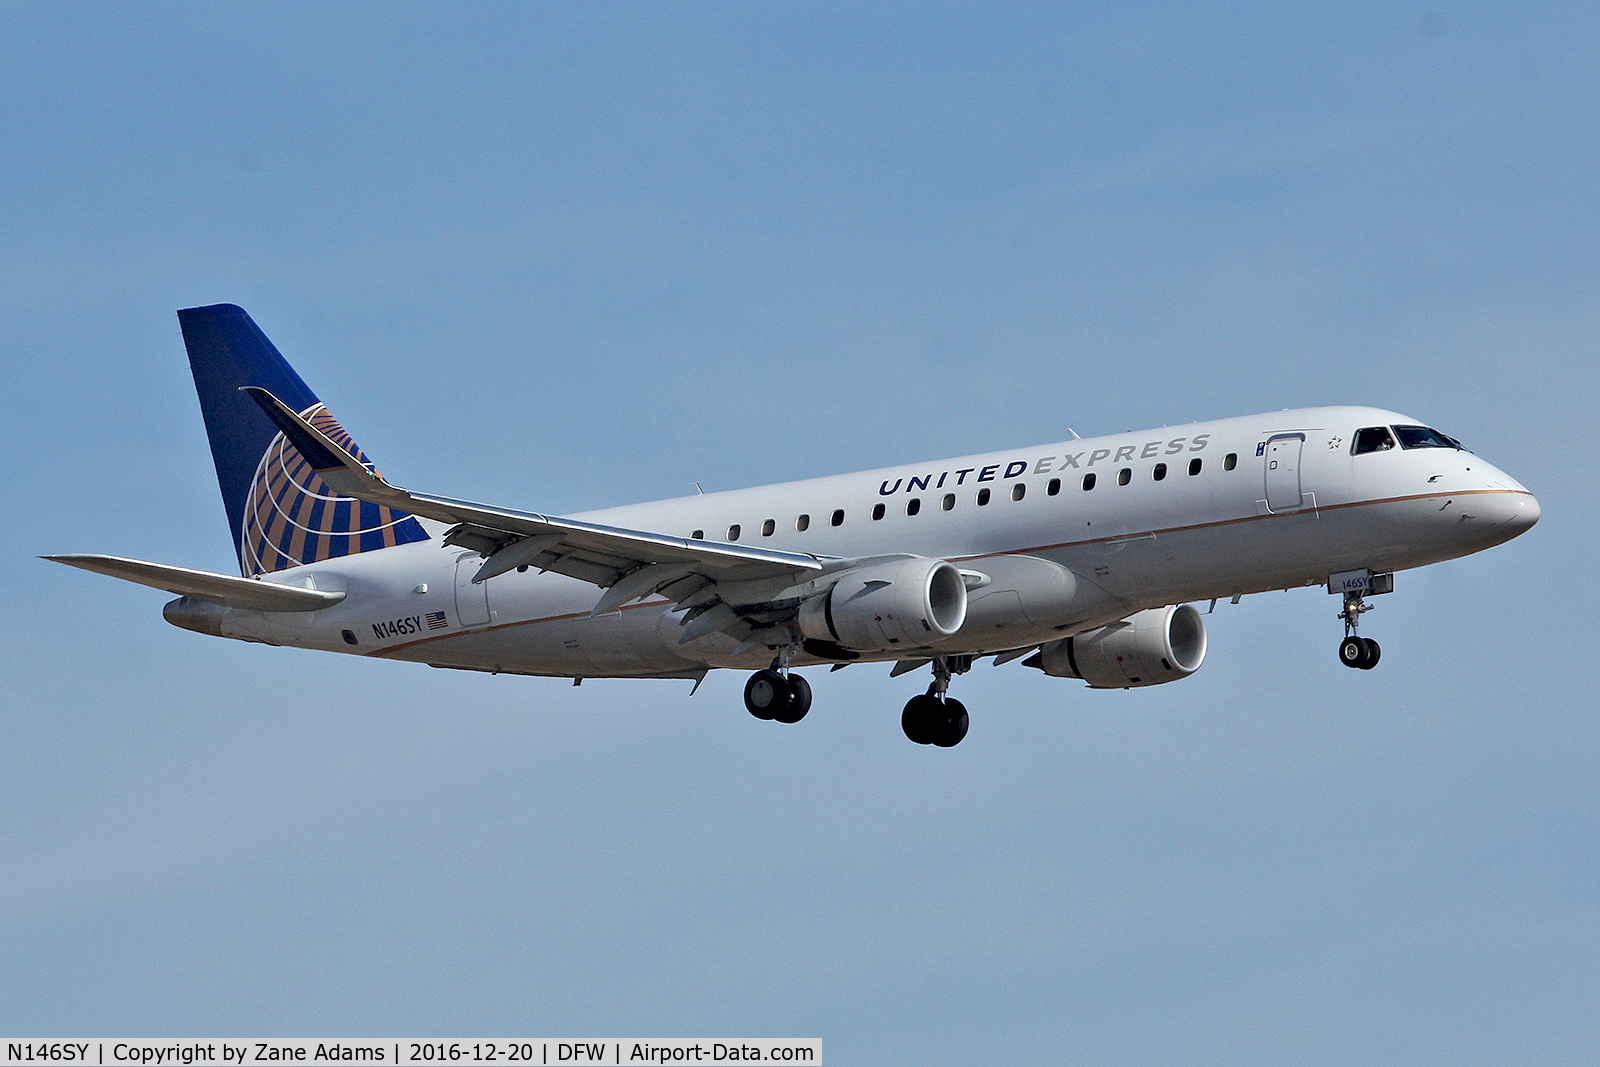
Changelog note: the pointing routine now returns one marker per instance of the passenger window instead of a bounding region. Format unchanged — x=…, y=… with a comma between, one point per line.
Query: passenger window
x=1160, y=472
x=877, y=512
x=983, y=497
x=1018, y=491
x=948, y=502
x=838, y=517
x=733, y=532
x=1194, y=466
x=1053, y=488
x=1230, y=461
x=698, y=535
x=1088, y=482
x=1424, y=437
x=768, y=526
x=803, y=523
x=913, y=505
x=1125, y=475
x=1372, y=439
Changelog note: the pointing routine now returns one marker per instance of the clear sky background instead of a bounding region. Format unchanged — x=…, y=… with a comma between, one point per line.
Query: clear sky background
x=562, y=257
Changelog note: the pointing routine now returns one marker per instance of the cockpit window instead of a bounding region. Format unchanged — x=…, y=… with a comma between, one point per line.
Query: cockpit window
x=1423, y=437
x=1372, y=439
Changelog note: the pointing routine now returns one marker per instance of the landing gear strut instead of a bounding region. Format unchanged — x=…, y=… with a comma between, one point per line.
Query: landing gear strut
x=933, y=718
x=777, y=694
x=1355, y=650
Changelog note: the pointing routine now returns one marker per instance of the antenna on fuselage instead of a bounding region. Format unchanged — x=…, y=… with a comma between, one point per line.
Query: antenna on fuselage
x=1074, y=434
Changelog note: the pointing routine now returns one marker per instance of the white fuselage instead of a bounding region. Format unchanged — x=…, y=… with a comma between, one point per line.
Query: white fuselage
x=1291, y=507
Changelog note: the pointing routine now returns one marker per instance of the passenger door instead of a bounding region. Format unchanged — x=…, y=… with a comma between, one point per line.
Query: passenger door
x=1283, y=471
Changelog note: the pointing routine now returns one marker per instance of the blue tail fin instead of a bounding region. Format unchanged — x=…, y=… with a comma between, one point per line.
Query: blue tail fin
x=281, y=514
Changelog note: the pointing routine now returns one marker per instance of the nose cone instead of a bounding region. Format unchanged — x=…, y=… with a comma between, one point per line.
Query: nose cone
x=1505, y=506
x=1495, y=517
x=1515, y=513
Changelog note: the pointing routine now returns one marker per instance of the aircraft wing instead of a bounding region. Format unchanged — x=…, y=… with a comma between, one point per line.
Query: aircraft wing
x=226, y=589
x=629, y=564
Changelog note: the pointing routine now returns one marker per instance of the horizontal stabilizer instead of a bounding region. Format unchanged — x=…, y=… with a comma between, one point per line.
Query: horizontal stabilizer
x=225, y=589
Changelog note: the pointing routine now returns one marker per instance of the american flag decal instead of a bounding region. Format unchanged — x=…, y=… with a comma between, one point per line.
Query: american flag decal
x=436, y=620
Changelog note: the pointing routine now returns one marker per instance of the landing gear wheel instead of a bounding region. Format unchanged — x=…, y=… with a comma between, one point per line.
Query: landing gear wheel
x=767, y=695
x=930, y=720
x=1352, y=652
x=919, y=719
x=1360, y=652
x=799, y=702
x=952, y=723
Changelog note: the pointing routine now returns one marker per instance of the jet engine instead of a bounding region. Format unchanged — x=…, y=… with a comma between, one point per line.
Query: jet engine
x=1155, y=646
x=903, y=603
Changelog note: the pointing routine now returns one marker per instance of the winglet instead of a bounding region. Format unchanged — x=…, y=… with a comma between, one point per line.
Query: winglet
x=317, y=447
x=341, y=471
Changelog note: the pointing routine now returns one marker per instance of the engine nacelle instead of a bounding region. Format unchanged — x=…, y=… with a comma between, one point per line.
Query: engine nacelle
x=1152, y=647
x=905, y=603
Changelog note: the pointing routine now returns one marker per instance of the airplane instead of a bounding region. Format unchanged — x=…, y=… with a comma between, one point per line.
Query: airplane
x=1082, y=558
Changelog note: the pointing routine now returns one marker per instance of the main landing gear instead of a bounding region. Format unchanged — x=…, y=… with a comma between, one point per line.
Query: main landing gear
x=778, y=695
x=1355, y=650
x=933, y=718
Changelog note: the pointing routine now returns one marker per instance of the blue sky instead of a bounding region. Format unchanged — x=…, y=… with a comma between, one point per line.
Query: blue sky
x=562, y=257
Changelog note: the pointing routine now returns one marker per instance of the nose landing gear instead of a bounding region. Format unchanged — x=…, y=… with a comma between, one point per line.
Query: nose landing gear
x=1355, y=650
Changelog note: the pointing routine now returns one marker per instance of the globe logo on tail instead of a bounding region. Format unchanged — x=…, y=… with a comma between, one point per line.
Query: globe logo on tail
x=292, y=517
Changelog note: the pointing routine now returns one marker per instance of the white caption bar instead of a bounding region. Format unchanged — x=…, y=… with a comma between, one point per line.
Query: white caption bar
x=401, y=1052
